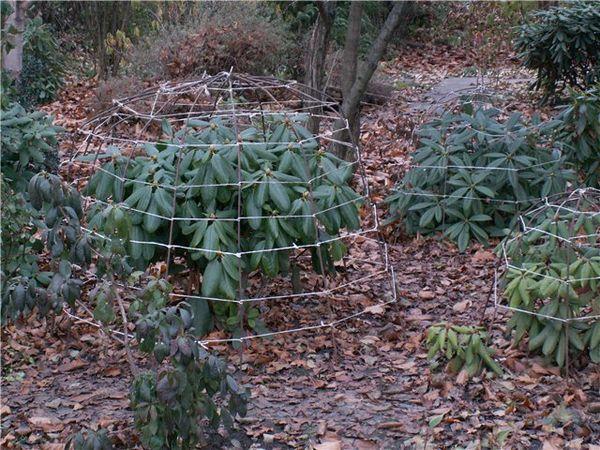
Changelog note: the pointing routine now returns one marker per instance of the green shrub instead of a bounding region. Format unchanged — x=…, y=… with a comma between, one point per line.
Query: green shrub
x=473, y=174
x=171, y=403
x=43, y=65
x=19, y=255
x=562, y=45
x=29, y=145
x=462, y=347
x=24, y=287
x=554, y=271
x=275, y=178
x=577, y=130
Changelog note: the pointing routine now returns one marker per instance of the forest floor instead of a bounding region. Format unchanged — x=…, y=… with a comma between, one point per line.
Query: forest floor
x=367, y=383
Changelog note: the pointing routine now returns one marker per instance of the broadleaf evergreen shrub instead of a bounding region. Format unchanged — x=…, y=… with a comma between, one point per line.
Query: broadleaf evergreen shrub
x=555, y=272
x=38, y=211
x=473, y=173
x=29, y=144
x=461, y=347
x=24, y=287
x=562, y=45
x=577, y=129
x=275, y=168
x=43, y=65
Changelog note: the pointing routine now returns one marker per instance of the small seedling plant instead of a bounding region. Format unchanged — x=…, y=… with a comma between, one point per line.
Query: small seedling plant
x=473, y=174
x=264, y=190
x=462, y=348
x=554, y=281
x=90, y=440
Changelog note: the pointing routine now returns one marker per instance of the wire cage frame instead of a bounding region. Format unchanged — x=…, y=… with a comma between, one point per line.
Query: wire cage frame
x=571, y=221
x=250, y=107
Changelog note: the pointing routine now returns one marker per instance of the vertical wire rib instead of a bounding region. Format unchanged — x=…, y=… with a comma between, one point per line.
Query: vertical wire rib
x=234, y=118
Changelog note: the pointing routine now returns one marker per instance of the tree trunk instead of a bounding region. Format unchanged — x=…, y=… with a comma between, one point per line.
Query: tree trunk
x=351, y=104
x=350, y=62
x=351, y=45
x=315, y=56
x=12, y=61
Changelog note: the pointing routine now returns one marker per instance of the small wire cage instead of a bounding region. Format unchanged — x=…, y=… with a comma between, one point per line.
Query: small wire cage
x=264, y=151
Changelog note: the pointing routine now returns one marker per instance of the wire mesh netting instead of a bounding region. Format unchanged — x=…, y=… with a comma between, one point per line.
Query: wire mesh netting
x=557, y=245
x=550, y=279
x=235, y=181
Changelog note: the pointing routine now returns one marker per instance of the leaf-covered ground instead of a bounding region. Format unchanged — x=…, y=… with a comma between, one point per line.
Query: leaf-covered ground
x=364, y=385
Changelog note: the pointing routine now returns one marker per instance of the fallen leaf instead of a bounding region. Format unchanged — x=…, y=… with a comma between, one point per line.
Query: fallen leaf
x=483, y=256
x=53, y=446
x=389, y=425
x=461, y=306
x=73, y=365
x=375, y=309
x=426, y=295
x=47, y=424
x=365, y=445
x=462, y=377
x=112, y=372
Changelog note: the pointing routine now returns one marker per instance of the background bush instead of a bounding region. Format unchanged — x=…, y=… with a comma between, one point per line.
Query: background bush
x=562, y=45
x=29, y=145
x=43, y=65
x=215, y=37
x=578, y=133
x=473, y=174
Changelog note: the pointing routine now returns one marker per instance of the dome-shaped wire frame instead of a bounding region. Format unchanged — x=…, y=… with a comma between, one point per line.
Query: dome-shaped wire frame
x=248, y=105
x=557, y=245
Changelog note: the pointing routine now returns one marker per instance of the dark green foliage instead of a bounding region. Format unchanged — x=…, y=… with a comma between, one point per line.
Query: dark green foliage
x=578, y=132
x=275, y=175
x=33, y=205
x=43, y=65
x=462, y=347
x=90, y=440
x=21, y=280
x=555, y=271
x=29, y=145
x=474, y=174
x=172, y=403
x=562, y=45
x=24, y=287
